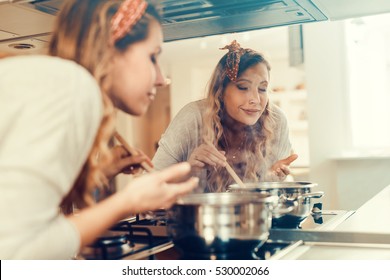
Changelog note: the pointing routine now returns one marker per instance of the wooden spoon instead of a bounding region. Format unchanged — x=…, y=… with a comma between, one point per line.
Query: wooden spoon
x=145, y=165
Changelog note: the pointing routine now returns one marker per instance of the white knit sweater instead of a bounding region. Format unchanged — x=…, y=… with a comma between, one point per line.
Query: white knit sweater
x=50, y=110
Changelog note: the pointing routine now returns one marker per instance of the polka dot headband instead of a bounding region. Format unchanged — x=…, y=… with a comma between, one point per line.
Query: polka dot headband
x=233, y=59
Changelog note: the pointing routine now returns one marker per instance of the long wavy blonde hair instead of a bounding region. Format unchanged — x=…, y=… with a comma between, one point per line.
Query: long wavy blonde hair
x=82, y=34
x=258, y=137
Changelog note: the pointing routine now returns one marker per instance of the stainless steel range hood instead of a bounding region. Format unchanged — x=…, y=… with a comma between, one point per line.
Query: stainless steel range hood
x=188, y=19
x=184, y=19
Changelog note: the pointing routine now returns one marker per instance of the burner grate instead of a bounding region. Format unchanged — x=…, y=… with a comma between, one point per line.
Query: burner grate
x=125, y=239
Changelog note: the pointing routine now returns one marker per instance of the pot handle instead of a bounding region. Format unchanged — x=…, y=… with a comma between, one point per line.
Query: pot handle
x=312, y=195
x=303, y=196
x=292, y=204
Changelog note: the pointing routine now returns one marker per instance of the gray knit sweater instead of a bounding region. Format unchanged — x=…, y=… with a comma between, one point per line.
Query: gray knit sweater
x=184, y=134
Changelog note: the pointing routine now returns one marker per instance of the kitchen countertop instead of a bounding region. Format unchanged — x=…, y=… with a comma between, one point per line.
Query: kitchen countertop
x=373, y=216
x=365, y=235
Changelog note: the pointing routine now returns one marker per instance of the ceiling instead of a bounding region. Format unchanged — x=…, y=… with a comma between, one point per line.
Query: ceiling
x=29, y=23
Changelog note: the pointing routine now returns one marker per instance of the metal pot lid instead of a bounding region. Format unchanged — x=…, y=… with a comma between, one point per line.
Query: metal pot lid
x=225, y=199
x=273, y=185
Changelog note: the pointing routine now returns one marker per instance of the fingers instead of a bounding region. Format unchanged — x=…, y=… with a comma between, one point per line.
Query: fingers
x=173, y=172
x=210, y=159
x=184, y=187
x=146, y=158
x=289, y=160
x=177, y=190
x=279, y=175
x=119, y=151
x=207, y=154
x=198, y=163
x=285, y=170
x=218, y=156
x=149, y=162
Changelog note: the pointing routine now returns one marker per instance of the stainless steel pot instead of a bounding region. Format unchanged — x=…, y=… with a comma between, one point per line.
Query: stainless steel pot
x=299, y=192
x=214, y=223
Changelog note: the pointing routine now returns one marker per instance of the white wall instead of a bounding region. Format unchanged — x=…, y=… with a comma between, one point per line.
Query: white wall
x=360, y=179
x=189, y=81
x=324, y=63
x=347, y=183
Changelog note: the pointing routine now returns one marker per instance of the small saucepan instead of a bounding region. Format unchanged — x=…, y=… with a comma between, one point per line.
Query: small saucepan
x=299, y=192
x=218, y=223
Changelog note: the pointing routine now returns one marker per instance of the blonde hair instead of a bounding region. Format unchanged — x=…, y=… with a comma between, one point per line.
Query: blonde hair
x=258, y=137
x=82, y=33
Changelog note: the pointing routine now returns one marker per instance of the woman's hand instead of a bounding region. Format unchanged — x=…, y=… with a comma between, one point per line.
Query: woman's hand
x=207, y=154
x=148, y=192
x=154, y=191
x=282, y=167
x=123, y=162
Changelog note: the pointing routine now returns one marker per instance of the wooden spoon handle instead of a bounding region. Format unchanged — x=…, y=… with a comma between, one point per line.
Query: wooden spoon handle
x=231, y=171
x=145, y=165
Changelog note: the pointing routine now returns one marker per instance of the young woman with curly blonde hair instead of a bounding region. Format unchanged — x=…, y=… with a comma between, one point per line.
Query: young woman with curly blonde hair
x=235, y=124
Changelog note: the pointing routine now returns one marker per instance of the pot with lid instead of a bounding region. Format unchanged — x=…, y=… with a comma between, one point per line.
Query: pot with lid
x=218, y=223
x=299, y=192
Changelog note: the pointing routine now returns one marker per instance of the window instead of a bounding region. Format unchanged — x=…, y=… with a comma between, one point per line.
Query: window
x=368, y=54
